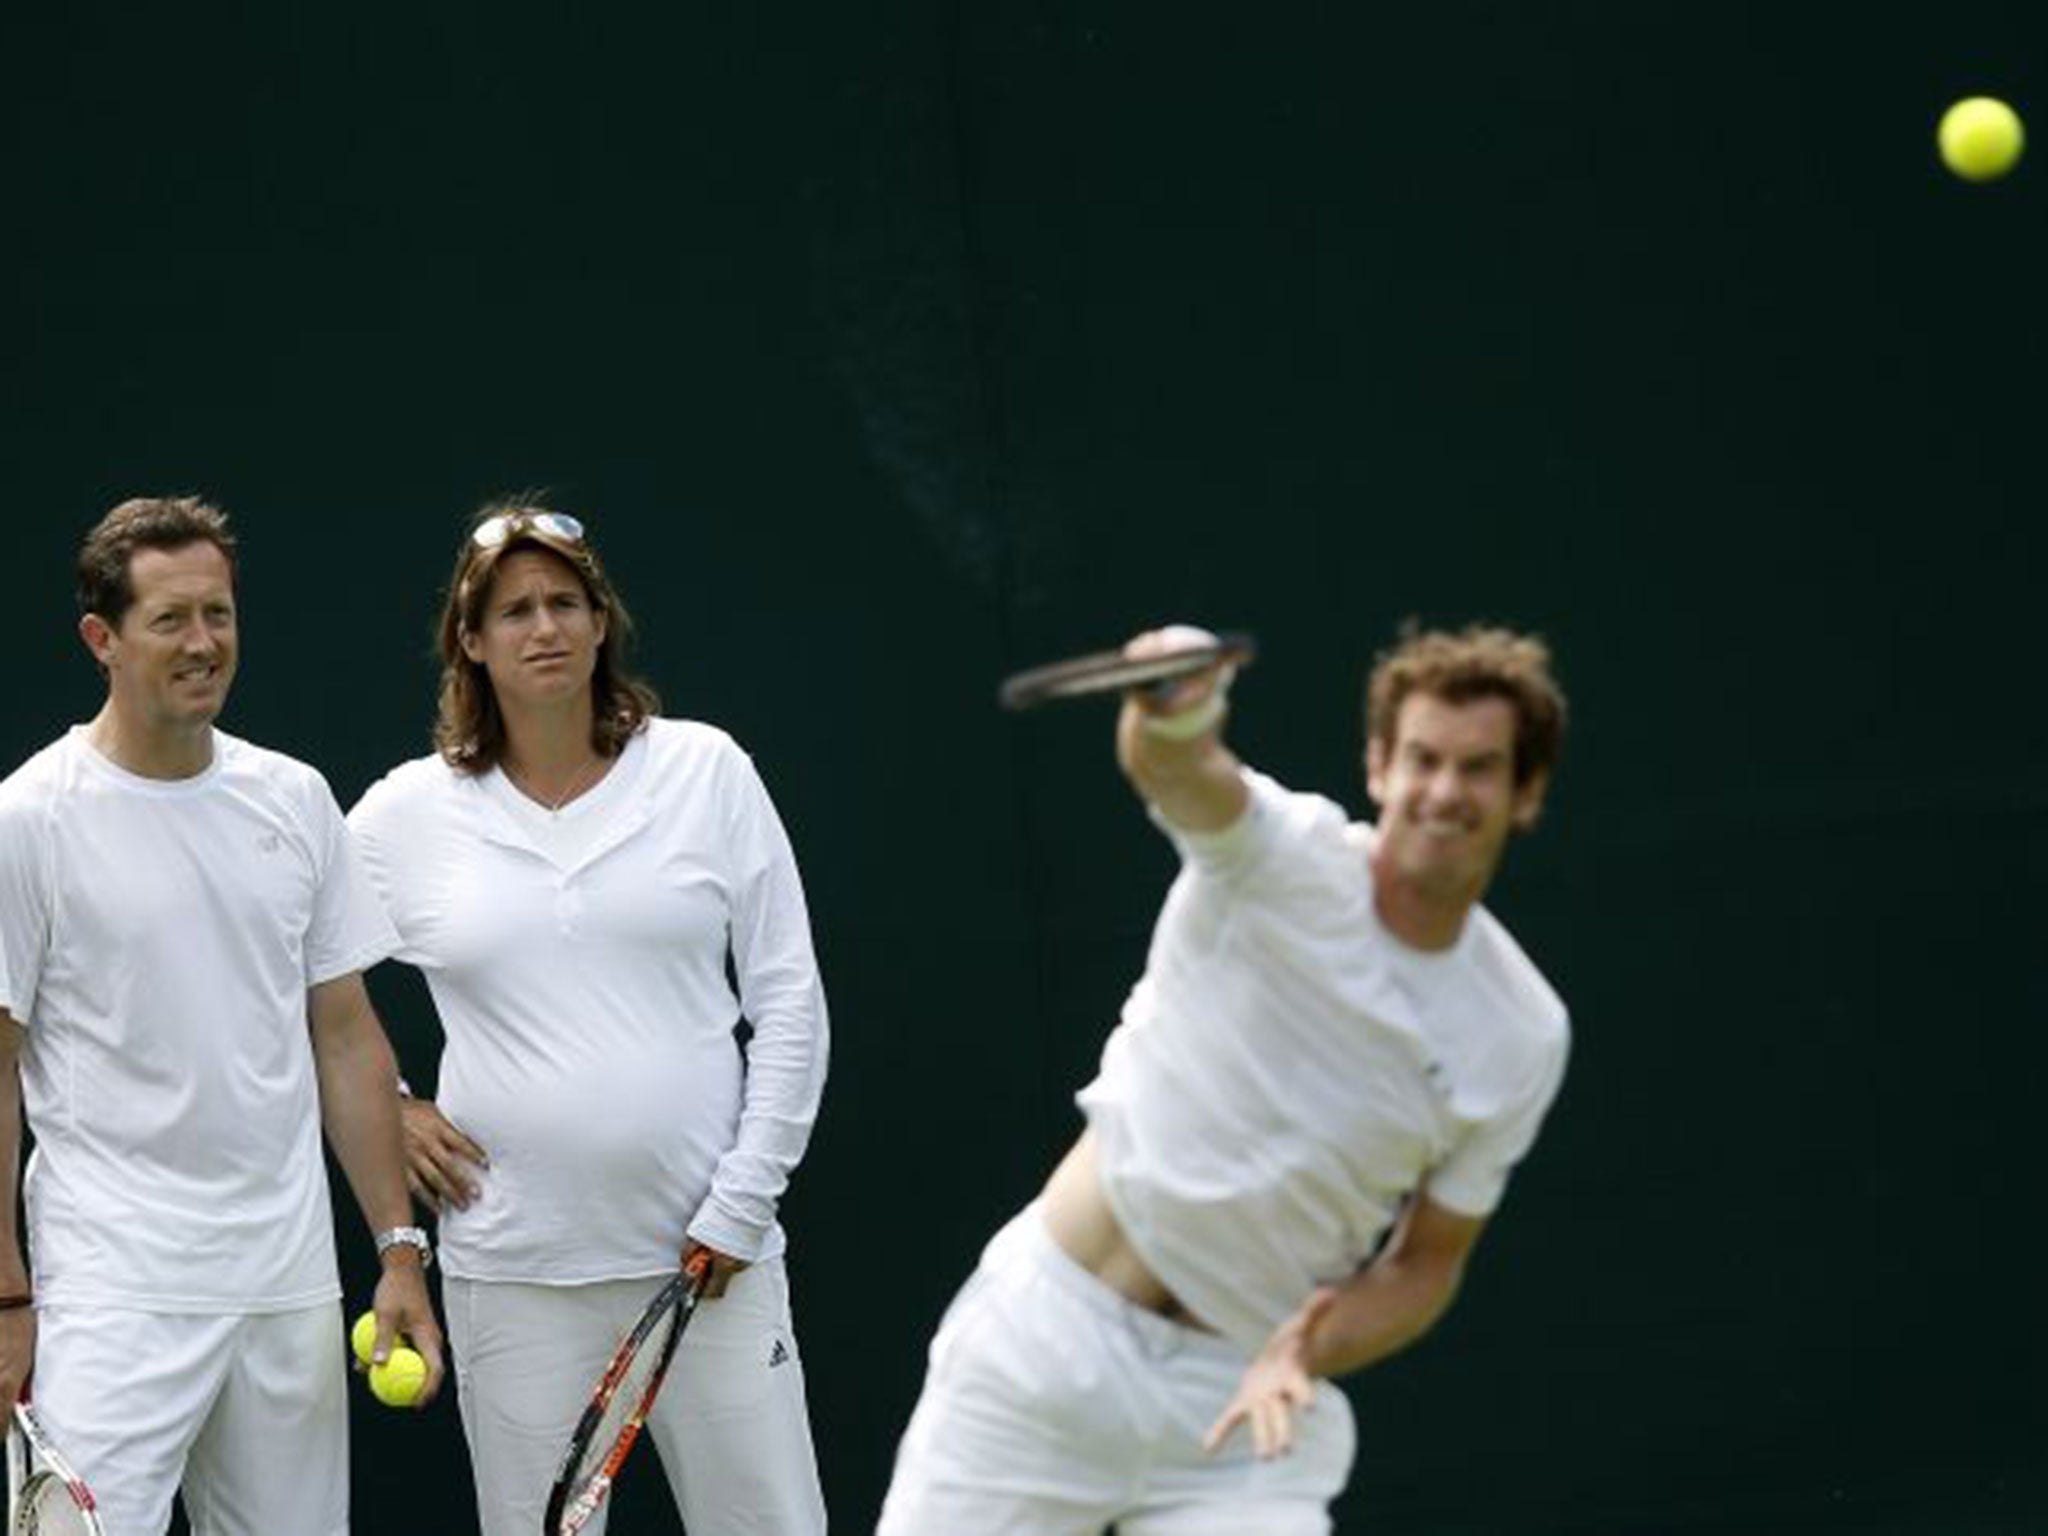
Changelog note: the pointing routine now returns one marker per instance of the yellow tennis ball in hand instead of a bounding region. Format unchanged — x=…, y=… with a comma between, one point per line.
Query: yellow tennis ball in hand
x=363, y=1337
x=1980, y=138
x=397, y=1382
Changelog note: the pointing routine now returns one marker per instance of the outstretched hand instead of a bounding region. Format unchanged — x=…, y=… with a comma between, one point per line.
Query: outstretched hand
x=1276, y=1385
x=1185, y=707
x=1169, y=742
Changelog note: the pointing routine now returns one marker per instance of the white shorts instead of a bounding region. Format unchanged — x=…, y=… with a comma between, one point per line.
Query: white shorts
x=249, y=1413
x=1053, y=1407
x=730, y=1424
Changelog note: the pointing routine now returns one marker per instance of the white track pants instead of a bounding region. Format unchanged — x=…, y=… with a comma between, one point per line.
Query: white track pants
x=730, y=1424
x=1053, y=1407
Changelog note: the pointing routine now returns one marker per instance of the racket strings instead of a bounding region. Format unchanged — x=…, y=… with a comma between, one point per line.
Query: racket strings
x=618, y=1422
x=48, y=1507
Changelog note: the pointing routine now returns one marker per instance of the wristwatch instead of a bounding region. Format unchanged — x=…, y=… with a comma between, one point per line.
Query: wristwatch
x=408, y=1237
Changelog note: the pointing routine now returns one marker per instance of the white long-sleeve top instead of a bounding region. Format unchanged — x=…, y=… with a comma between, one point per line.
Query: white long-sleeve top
x=582, y=987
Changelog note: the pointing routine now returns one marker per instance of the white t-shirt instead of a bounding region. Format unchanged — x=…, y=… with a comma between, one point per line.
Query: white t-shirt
x=581, y=984
x=157, y=939
x=1287, y=1073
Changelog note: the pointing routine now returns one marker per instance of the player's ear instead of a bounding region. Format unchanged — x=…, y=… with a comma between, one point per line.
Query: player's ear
x=1529, y=800
x=99, y=637
x=472, y=645
x=1376, y=770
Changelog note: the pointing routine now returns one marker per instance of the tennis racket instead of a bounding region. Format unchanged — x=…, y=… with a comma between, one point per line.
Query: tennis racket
x=618, y=1408
x=44, y=1496
x=1080, y=677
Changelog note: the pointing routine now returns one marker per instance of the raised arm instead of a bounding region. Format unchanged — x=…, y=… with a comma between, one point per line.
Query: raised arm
x=1170, y=744
x=17, y=1322
x=359, y=1111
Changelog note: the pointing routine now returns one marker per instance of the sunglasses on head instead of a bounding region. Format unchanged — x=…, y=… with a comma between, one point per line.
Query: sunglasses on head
x=493, y=531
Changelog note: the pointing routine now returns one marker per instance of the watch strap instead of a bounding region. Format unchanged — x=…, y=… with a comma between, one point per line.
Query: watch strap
x=410, y=1237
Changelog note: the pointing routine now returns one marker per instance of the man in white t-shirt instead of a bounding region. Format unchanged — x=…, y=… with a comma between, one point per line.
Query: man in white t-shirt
x=182, y=930
x=1308, y=1110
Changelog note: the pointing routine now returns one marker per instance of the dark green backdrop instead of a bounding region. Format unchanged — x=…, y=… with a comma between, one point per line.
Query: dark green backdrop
x=887, y=347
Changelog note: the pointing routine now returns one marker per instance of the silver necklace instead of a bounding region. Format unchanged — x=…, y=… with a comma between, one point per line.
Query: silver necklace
x=576, y=785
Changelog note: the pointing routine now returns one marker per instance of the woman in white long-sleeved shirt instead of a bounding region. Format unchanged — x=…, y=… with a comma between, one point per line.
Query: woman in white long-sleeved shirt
x=571, y=873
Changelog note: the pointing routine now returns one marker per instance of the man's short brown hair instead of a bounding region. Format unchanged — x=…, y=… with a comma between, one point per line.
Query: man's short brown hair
x=105, y=586
x=1477, y=662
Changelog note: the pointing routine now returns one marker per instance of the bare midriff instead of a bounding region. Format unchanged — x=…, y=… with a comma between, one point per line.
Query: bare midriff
x=1077, y=1214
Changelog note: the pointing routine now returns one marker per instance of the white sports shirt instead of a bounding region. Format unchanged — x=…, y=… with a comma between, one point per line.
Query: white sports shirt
x=157, y=938
x=1287, y=1073
x=581, y=983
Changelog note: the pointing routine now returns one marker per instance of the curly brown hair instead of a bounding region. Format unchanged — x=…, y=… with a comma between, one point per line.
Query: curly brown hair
x=1477, y=662
x=469, y=731
x=104, y=583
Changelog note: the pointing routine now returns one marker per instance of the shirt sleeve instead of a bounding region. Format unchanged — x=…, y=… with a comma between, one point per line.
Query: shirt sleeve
x=1256, y=848
x=377, y=826
x=1472, y=1180
x=349, y=931
x=24, y=910
x=784, y=1003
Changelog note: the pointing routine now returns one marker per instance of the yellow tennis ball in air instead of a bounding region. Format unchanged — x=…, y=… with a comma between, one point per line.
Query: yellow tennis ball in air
x=397, y=1382
x=1980, y=138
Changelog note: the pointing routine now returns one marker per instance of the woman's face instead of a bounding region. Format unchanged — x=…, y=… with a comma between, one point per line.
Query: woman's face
x=539, y=634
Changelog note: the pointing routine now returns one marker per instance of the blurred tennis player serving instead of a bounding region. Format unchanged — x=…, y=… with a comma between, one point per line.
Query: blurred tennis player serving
x=1300, y=1126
